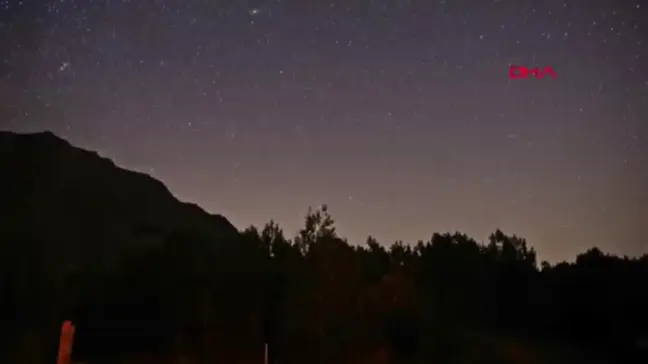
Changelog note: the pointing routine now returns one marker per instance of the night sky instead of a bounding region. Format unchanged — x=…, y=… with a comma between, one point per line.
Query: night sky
x=400, y=115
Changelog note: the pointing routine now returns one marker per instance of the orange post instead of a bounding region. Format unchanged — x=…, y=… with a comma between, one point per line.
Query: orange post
x=65, y=344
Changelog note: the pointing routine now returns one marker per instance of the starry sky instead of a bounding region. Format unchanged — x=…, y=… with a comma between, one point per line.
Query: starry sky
x=400, y=115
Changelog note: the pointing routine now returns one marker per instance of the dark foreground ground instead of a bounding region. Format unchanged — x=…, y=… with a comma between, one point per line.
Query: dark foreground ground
x=458, y=348
x=494, y=348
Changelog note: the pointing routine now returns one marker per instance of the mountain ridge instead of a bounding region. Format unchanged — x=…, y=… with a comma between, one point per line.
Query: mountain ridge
x=55, y=192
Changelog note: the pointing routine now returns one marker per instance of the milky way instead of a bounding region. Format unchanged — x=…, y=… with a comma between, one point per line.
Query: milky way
x=400, y=115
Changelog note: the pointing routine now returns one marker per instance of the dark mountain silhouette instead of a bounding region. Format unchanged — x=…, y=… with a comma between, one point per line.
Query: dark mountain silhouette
x=149, y=279
x=67, y=212
x=66, y=195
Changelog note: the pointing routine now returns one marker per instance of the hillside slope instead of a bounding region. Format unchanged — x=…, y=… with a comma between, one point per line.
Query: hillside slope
x=74, y=203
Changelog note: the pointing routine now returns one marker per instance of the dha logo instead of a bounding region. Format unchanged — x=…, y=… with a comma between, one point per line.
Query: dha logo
x=523, y=72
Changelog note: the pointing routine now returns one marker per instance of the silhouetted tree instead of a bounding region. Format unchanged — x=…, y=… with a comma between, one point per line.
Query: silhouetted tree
x=316, y=298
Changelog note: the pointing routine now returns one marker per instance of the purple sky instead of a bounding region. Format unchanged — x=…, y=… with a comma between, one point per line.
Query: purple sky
x=400, y=115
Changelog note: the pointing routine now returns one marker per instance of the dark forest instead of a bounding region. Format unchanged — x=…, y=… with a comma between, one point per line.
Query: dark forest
x=182, y=295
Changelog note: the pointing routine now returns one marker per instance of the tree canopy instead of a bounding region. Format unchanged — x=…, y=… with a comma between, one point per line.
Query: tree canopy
x=318, y=298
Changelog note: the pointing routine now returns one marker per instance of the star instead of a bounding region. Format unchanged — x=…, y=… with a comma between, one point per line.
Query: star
x=388, y=100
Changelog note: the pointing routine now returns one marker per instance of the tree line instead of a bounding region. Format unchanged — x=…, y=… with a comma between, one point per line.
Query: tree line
x=317, y=298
